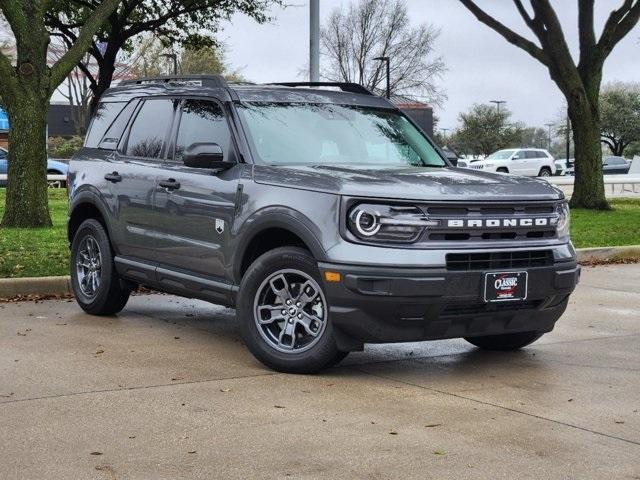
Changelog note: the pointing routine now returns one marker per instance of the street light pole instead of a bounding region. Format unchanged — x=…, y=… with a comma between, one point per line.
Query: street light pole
x=498, y=103
x=314, y=40
x=175, y=61
x=568, y=138
x=387, y=61
x=549, y=125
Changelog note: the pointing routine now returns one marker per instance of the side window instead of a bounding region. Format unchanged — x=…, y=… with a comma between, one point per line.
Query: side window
x=3, y=154
x=111, y=138
x=519, y=155
x=149, y=129
x=532, y=154
x=102, y=119
x=203, y=121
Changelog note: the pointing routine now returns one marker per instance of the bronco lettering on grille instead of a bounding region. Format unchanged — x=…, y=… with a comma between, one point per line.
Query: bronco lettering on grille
x=499, y=223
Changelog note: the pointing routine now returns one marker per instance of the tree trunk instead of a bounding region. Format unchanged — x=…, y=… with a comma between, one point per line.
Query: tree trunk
x=588, y=188
x=106, y=70
x=27, y=202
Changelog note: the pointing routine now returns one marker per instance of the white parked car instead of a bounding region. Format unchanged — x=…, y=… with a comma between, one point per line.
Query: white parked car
x=531, y=162
x=562, y=165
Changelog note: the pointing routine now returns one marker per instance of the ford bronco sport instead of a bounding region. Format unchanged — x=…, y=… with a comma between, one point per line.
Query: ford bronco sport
x=322, y=213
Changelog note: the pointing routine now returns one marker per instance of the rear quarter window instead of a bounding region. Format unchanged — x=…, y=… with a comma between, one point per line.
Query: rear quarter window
x=105, y=114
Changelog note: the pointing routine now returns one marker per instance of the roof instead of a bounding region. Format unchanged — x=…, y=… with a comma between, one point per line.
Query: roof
x=214, y=85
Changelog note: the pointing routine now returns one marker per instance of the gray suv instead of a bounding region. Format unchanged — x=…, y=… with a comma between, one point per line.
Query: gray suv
x=321, y=212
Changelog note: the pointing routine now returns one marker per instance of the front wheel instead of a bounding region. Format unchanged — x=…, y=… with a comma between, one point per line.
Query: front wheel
x=284, y=313
x=506, y=342
x=97, y=287
x=544, y=172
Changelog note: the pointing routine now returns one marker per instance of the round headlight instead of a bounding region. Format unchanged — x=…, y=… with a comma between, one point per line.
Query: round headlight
x=367, y=223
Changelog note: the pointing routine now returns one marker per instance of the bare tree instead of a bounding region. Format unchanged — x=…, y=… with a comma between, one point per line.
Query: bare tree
x=579, y=81
x=368, y=29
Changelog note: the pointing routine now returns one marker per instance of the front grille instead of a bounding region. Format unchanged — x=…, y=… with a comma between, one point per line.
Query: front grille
x=482, y=222
x=465, y=262
x=457, y=310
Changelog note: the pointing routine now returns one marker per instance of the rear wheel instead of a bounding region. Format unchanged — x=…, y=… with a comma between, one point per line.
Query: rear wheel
x=97, y=287
x=506, y=342
x=545, y=172
x=284, y=313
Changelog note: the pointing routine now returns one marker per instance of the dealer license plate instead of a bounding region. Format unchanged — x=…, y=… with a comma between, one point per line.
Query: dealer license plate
x=505, y=286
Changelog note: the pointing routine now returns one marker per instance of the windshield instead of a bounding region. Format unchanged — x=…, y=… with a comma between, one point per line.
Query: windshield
x=323, y=134
x=501, y=155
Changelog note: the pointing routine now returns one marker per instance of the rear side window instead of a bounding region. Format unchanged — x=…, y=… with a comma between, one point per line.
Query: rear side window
x=105, y=114
x=149, y=129
x=111, y=138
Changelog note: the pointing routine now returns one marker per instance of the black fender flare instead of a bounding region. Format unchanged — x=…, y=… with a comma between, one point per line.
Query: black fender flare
x=88, y=197
x=276, y=217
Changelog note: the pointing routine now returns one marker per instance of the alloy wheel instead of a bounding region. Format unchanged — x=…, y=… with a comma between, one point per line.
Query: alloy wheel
x=89, y=266
x=290, y=311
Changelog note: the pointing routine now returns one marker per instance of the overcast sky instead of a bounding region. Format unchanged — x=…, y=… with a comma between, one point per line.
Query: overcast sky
x=482, y=66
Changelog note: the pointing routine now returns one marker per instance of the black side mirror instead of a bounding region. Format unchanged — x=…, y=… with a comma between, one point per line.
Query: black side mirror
x=205, y=155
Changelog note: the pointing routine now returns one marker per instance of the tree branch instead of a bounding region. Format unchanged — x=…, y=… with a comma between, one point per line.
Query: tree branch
x=619, y=24
x=508, y=34
x=585, y=27
x=72, y=57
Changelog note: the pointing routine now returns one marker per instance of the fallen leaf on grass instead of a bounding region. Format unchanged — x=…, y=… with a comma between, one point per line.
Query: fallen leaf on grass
x=95, y=453
x=279, y=406
x=431, y=425
x=99, y=352
x=619, y=422
x=176, y=379
x=439, y=452
x=7, y=395
x=225, y=390
x=393, y=433
x=192, y=451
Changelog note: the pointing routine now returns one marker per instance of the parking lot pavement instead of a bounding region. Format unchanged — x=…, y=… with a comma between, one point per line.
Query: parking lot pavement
x=166, y=390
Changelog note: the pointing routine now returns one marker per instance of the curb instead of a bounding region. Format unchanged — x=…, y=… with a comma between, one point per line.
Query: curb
x=54, y=286
x=41, y=286
x=608, y=254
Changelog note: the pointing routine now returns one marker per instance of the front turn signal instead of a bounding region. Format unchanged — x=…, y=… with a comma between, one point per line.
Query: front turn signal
x=332, y=276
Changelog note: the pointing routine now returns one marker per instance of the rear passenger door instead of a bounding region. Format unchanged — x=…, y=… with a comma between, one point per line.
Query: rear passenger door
x=198, y=210
x=134, y=177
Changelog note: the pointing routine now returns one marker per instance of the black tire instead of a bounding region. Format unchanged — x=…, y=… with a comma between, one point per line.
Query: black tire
x=505, y=343
x=323, y=354
x=502, y=170
x=112, y=293
x=544, y=172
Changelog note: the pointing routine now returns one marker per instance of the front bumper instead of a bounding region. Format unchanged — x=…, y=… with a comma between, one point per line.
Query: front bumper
x=382, y=304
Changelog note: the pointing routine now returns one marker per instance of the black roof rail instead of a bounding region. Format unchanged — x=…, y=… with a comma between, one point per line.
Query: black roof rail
x=344, y=86
x=211, y=81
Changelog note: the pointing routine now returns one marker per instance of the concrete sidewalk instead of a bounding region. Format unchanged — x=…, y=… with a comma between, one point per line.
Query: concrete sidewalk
x=166, y=390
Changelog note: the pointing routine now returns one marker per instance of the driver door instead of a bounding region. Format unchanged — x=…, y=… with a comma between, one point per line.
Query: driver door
x=197, y=205
x=519, y=163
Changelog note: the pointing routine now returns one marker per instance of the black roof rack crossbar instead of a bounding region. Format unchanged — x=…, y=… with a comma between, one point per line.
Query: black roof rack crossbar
x=344, y=86
x=211, y=81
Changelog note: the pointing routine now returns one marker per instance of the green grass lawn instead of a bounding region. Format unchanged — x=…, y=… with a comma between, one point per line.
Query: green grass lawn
x=36, y=252
x=41, y=252
x=620, y=226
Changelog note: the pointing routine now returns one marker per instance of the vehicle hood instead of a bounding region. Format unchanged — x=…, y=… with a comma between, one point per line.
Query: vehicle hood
x=60, y=165
x=415, y=183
